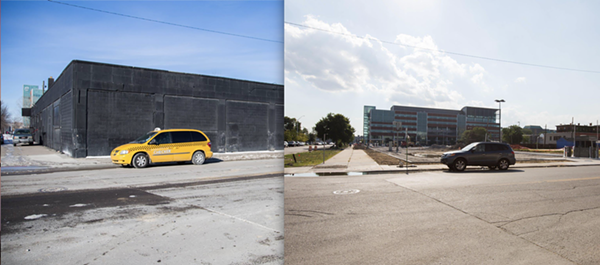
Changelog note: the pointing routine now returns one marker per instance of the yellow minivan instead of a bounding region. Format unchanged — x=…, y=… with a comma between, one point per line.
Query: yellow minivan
x=174, y=145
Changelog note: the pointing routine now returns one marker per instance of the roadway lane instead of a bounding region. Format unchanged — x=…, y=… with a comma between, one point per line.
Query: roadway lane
x=531, y=216
x=169, y=174
x=227, y=222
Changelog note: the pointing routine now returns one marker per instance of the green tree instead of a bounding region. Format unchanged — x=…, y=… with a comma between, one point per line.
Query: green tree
x=289, y=123
x=512, y=134
x=335, y=127
x=527, y=135
x=475, y=135
x=292, y=130
x=312, y=137
x=289, y=135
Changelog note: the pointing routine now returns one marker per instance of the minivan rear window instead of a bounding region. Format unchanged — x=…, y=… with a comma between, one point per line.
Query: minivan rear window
x=198, y=137
x=181, y=137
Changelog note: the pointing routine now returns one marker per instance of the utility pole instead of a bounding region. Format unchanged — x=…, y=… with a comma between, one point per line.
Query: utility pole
x=545, y=133
x=574, y=135
x=406, y=137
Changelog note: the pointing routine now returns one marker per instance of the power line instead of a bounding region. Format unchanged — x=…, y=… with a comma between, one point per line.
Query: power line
x=448, y=52
x=166, y=23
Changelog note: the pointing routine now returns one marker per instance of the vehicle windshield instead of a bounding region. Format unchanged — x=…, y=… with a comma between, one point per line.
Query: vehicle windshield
x=22, y=131
x=144, y=138
x=469, y=147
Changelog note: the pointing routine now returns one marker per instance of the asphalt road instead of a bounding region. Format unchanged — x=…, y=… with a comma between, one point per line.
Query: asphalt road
x=532, y=216
x=164, y=174
x=220, y=213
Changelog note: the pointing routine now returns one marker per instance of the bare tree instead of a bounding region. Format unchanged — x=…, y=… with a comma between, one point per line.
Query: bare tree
x=6, y=117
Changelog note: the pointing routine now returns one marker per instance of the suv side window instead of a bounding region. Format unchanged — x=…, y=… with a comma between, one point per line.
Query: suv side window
x=494, y=147
x=198, y=137
x=480, y=148
x=181, y=137
x=163, y=138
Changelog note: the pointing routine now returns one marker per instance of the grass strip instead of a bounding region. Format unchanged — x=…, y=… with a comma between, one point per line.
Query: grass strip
x=309, y=158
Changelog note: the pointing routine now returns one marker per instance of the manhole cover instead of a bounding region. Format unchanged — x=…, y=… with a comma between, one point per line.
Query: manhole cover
x=342, y=192
x=53, y=189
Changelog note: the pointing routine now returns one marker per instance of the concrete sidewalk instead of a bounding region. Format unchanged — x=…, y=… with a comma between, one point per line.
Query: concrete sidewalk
x=355, y=160
x=41, y=159
x=349, y=159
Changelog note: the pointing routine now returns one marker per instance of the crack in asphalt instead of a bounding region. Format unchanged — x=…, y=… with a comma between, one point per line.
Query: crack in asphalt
x=493, y=223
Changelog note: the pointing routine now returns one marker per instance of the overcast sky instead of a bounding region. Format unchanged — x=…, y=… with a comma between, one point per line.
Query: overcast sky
x=40, y=38
x=335, y=69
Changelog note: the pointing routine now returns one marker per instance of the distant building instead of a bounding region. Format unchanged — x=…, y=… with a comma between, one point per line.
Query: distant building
x=564, y=134
x=428, y=126
x=31, y=94
x=367, y=109
x=539, y=133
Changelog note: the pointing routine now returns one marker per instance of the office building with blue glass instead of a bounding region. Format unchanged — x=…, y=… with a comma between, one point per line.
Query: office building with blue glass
x=427, y=126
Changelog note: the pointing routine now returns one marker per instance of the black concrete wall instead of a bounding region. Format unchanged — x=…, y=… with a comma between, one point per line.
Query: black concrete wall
x=52, y=115
x=102, y=106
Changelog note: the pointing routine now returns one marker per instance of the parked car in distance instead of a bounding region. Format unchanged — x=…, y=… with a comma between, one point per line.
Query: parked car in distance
x=492, y=155
x=285, y=144
x=22, y=136
x=175, y=145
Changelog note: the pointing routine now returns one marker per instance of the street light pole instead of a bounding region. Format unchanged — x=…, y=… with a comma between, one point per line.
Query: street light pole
x=298, y=126
x=500, y=118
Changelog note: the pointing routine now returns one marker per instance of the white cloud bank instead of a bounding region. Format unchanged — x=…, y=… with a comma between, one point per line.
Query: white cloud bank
x=521, y=80
x=334, y=59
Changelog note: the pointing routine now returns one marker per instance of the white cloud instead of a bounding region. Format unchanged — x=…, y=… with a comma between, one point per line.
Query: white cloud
x=521, y=80
x=340, y=62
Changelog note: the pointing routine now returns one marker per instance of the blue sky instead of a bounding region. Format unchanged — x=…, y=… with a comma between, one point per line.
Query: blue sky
x=326, y=71
x=40, y=38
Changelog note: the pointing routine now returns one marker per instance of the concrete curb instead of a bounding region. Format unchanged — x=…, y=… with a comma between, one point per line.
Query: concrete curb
x=249, y=155
x=416, y=169
x=225, y=157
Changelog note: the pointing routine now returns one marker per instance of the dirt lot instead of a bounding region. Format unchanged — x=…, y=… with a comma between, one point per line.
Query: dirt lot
x=426, y=155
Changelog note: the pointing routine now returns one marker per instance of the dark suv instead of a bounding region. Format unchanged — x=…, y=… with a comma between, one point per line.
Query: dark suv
x=492, y=155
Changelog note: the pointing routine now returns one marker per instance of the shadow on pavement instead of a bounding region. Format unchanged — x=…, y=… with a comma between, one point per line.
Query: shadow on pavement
x=485, y=170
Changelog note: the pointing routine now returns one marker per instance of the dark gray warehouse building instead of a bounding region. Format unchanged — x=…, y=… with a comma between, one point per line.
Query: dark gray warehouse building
x=92, y=108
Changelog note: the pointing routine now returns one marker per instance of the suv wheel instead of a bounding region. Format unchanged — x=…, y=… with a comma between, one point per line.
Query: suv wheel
x=459, y=164
x=198, y=158
x=140, y=160
x=503, y=164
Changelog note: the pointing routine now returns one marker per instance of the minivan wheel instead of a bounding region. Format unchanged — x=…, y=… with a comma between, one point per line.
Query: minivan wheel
x=140, y=160
x=198, y=158
x=503, y=164
x=460, y=164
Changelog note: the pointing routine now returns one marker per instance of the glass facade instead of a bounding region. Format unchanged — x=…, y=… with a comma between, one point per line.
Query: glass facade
x=429, y=125
x=367, y=109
